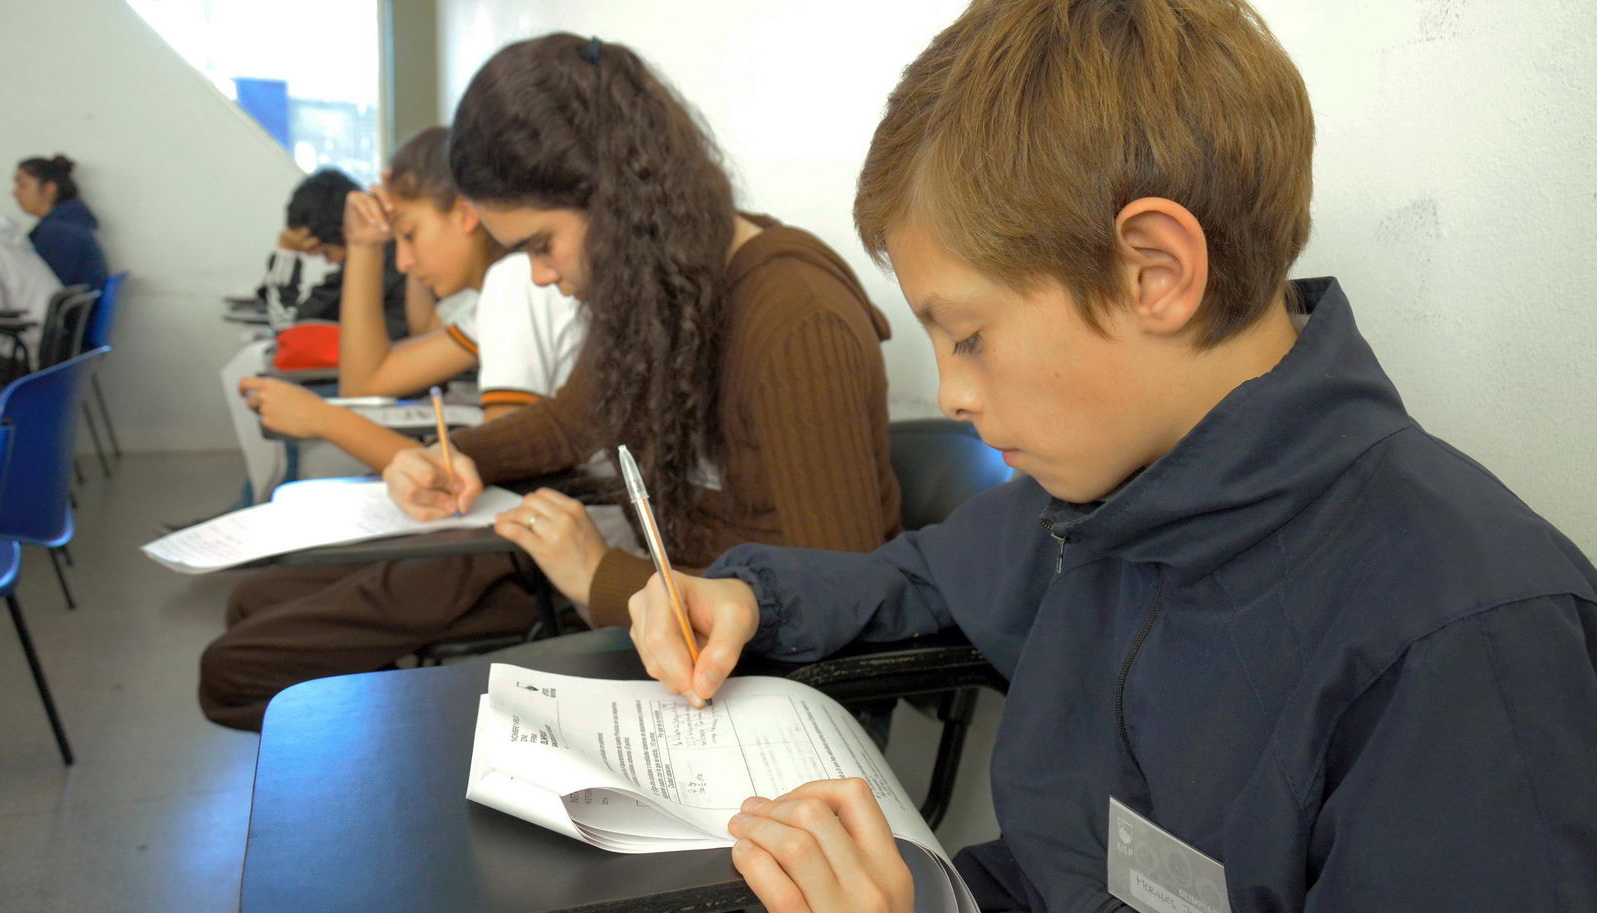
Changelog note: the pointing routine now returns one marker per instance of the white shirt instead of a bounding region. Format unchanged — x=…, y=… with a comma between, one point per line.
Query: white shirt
x=26, y=281
x=526, y=337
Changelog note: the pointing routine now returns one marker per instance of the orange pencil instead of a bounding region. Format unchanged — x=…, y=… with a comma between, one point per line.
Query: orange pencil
x=443, y=436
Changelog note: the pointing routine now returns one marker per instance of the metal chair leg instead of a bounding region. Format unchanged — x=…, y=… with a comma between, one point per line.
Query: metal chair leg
x=77, y=472
x=546, y=618
x=60, y=575
x=67, y=554
x=94, y=435
x=105, y=415
x=38, y=680
x=956, y=711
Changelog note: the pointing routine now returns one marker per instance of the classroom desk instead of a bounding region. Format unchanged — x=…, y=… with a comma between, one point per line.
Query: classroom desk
x=247, y=310
x=360, y=804
x=480, y=540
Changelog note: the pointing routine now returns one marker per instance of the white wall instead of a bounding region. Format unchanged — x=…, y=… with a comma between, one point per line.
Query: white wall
x=189, y=192
x=1455, y=181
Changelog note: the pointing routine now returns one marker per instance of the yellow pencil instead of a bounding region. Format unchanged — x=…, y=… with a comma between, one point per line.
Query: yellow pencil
x=443, y=437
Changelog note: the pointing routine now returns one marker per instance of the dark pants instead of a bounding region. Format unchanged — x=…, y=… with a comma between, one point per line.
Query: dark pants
x=289, y=625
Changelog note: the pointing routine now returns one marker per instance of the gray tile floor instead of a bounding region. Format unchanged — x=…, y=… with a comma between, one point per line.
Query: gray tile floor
x=153, y=815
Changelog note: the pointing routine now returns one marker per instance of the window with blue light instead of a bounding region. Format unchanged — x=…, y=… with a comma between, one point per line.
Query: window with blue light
x=305, y=70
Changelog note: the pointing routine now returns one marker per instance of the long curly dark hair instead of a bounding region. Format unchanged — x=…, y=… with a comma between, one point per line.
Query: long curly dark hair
x=564, y=122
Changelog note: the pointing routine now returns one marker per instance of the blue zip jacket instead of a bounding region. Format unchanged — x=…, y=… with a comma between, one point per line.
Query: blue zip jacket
x=65, y=239
x=1312, y=641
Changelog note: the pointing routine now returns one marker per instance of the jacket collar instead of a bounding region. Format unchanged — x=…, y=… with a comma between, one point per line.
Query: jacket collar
x=1266, y=451
x=72, y=212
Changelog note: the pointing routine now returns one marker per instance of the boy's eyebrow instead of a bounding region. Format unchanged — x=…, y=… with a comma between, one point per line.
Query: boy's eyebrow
x=933, y=308
x=926, y=312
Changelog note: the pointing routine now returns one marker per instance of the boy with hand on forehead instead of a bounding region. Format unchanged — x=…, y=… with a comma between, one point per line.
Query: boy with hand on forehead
x=1241, y=592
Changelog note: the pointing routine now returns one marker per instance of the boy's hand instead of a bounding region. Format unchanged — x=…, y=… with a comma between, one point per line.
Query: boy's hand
x=419, y=484
x=284, y=407
x=365, y=220
x=823, y=847
x=724, y=615
x=296, y=239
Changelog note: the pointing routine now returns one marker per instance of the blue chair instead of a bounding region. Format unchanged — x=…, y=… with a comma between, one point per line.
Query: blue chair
x=97, y=333
x=36, y=417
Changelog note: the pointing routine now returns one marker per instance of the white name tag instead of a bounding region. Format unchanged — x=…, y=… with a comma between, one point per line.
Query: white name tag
x=1156, y=873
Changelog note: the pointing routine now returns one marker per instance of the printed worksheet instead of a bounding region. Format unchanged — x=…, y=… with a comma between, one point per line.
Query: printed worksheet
x=629, y=767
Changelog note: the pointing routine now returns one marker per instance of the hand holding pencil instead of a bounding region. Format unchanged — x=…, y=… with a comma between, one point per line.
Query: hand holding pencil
x=430, y=483
x=675, y=612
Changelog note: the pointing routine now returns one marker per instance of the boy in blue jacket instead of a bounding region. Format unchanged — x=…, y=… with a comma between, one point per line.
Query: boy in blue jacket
x=1241, y=592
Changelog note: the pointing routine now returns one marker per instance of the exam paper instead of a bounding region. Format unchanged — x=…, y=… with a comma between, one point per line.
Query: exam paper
x=631, y=768
x=418, y=415
x=308, y=514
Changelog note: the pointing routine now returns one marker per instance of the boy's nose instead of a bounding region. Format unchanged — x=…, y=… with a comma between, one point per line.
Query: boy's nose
x=958, y=399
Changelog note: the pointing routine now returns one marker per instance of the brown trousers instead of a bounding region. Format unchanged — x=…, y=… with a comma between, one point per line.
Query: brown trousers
x=289, y=625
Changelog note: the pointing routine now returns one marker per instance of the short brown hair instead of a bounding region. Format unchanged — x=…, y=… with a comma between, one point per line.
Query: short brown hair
x=419, y=169
x=1027, y=125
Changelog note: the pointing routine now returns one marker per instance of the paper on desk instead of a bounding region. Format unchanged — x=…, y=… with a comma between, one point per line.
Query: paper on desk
x=305, y=515
x=629, y=767
x=417, y=415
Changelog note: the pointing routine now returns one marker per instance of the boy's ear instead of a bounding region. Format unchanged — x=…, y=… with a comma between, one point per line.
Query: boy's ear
x=465, y=215
x=1164, y=262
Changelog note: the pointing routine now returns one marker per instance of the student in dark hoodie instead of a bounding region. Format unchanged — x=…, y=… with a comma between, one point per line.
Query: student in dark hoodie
x=64, y=235
x=1242, y=592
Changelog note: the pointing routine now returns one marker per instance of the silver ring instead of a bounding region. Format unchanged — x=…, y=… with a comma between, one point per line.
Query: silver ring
x=532, y=521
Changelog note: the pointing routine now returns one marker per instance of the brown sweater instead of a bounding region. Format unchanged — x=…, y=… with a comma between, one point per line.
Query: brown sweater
x=803, y=409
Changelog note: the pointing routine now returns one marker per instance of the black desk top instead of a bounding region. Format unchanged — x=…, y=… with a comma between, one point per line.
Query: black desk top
x=360, y=804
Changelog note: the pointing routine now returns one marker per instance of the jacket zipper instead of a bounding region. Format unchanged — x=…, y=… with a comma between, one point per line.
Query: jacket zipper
x=1125, y=670
x=1109, y=906
x=1059, y=562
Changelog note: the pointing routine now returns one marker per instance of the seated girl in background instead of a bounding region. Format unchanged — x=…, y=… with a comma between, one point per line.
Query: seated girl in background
x=64, y=235
x=529, y=337
x=739, y=358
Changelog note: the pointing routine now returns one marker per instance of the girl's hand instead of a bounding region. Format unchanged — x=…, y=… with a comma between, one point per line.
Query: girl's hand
x=365, y=220
x=420, y=484
x=284, y=407
x=558, y=533
x=823, y=847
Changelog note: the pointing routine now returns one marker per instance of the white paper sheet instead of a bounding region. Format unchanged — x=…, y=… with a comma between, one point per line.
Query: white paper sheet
x=419, y=415
x=308, y=514
x=629, y=767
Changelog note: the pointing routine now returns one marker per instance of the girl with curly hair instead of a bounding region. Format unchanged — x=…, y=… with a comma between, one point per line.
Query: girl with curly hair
x=737, y=357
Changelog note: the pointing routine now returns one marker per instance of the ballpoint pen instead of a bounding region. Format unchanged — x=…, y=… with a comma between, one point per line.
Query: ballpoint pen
x=651, y=532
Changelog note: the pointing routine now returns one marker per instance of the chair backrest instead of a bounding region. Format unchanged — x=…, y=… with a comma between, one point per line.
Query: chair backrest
x=40, y=413
x=65, y=321
x=940, y=463
x=103, y=318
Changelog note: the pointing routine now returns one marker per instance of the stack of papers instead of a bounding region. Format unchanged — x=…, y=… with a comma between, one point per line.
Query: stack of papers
x=631, y=768
x=309, y=514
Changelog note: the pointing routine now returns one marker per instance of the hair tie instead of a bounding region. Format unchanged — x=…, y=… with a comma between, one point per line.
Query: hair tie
x=591, y=52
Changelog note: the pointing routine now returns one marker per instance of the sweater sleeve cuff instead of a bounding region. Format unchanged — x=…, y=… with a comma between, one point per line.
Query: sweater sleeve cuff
x=618, y=576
